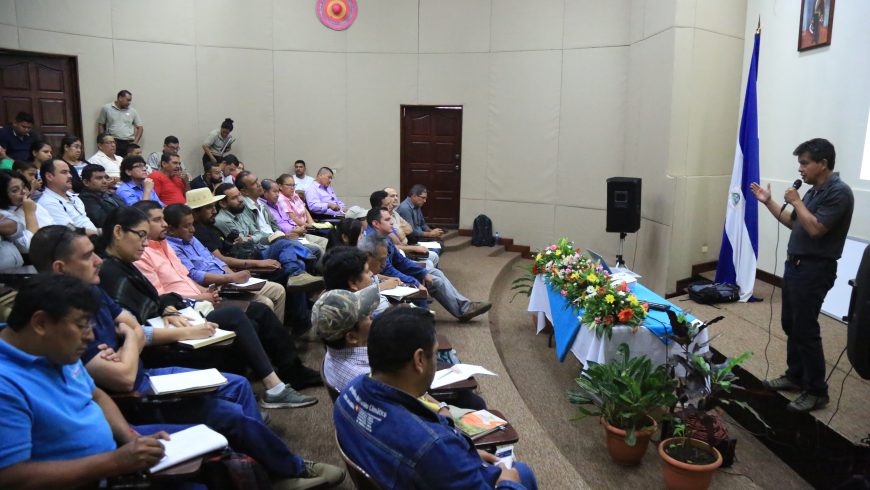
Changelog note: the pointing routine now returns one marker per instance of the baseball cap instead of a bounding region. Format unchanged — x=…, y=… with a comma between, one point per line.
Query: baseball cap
x=338, y=310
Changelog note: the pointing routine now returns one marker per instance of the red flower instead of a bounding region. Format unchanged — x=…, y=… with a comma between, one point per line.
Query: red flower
x=535, y=269
x=608, y=319
x=625, y=315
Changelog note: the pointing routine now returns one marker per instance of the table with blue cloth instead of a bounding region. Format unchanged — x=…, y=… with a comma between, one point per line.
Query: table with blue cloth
x=570, y=336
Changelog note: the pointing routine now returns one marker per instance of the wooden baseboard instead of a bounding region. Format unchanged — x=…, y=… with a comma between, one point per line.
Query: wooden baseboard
x=703, y=267
x=508, y=244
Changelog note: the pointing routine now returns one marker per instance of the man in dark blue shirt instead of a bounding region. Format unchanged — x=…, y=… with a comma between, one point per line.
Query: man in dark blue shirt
x=17, y=138
x=819, y=225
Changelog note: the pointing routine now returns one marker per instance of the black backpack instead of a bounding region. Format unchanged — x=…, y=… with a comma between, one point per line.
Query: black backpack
x=481, y=233
x=708, y=293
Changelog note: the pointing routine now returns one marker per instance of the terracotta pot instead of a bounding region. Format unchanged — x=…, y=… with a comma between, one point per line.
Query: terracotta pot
x=684, y=476
x=622, y=453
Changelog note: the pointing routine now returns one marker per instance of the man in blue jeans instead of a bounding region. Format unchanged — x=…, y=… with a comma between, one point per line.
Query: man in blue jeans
x=383, y=427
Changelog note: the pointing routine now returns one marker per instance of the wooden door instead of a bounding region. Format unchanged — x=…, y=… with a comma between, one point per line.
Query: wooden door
x=45, y=86
x=431, y=153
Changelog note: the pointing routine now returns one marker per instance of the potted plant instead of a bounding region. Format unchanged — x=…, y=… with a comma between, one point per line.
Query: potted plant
x=629, y=395
x=689, y=463
x=701, y=386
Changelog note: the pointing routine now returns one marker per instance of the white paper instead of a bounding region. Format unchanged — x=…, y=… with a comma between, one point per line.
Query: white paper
x=187, y=381
x=219, y=335
x=253, y=281
x=188, y=444
x=625, y=270
x=620, y=277
x=457, y=373
x=400, y=291
x=505, y=455
x=192, y=316
x=430, y=245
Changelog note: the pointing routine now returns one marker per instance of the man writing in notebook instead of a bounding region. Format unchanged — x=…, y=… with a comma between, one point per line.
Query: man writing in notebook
x=231, y=409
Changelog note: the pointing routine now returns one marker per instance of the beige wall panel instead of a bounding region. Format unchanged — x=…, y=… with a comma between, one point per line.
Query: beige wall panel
x=591, y=124
x=714, y=103
x=85, y=17
x=527, y=223
x=163, y=21
x=8, y=36
x=378, y=85
x=469, y=209
x=586, y=227
x=311, y=110
x=698, y=221
x=247, y=99
x=454, y=26
x=230, y=23
x=660, y=15
x=296, y=27
x=384, y=26
x=653, y=249
x=523, y=25
x=651, y=65
x=7, y=12
x=680, y=94
x=523, y=125
x=594, y=23
x=462, y=79
x=162, y=78
x=96, y=71
x=726, y=18
x=635, y=20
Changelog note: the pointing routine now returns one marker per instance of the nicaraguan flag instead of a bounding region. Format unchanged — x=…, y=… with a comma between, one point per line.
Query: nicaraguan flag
x=739, y=253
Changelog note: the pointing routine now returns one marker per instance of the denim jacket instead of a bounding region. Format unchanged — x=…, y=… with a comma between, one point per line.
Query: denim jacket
x=402, y=444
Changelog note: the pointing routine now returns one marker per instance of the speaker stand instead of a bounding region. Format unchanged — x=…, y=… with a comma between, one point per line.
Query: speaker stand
x=620, y=262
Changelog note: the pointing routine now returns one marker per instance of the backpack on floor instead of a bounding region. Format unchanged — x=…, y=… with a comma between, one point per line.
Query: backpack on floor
x=481, y=232
x=708, y=293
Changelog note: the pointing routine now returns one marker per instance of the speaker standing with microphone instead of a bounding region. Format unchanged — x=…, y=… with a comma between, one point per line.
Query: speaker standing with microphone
x=819, y=225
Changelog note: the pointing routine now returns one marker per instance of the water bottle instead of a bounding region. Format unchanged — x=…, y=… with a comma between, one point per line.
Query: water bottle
x=497, y=239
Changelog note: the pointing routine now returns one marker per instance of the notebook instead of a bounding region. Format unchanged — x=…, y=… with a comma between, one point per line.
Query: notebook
x=480, y=423
x=188, y=444
x=400, y=291
x=194, y=318
x=187, y=381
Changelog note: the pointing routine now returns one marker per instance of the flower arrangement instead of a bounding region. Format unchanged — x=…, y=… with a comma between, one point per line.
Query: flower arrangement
x=606, y=304
x=565, y=268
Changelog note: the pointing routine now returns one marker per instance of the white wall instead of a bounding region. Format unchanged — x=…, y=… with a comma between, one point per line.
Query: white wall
x=558, y=96
x=817, y=93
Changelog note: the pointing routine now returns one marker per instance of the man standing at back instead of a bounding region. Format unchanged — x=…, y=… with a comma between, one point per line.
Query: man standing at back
x=819, y=225
x=16, y=139
x=121, y=121
x=383, y=427
x=302, y=180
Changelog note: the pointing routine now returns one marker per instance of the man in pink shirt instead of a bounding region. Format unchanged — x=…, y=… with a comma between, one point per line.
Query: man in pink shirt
x=168, y=184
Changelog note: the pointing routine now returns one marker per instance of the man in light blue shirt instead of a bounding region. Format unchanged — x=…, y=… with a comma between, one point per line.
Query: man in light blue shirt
x=135, y=184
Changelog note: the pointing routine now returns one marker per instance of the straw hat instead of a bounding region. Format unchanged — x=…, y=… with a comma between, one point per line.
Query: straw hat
x=197, y=198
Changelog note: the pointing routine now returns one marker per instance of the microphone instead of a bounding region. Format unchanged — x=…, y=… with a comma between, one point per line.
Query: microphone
x=797, y=185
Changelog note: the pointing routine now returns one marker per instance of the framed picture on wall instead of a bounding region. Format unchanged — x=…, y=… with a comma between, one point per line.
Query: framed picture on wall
x=816, y=24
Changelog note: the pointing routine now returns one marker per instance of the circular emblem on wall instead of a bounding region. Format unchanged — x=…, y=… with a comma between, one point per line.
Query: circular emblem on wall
x=336, y=14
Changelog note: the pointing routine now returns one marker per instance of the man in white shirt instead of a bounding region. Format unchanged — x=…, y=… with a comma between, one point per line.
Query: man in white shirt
x=107, y=157
x=302, y=180
x=122, y=122
x=64, y=207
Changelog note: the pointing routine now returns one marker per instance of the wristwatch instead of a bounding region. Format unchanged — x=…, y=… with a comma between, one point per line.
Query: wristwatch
x=443, y=405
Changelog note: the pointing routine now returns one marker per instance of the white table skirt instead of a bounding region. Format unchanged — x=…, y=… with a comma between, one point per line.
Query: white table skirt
x=588, y=347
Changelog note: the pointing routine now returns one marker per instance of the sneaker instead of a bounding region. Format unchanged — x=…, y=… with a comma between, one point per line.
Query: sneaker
x=807, y=402
x=305, y=281
x=476, y=308
x=781, y=383
x=316, y=475
x=288, y=398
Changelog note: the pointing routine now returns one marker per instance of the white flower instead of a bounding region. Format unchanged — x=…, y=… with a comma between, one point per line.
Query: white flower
x=621, y=293
x=590, y=290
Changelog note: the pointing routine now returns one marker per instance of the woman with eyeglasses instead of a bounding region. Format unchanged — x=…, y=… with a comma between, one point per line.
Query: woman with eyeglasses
x=71, y=153
x=16, y=205
x=258, y=344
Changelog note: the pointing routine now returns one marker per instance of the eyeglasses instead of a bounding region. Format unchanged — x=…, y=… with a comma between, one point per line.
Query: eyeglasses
x=137, y=165
x=143, y=235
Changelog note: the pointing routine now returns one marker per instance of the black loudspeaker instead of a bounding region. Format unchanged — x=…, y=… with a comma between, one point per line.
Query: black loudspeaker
x=623, y=204
x=858, y=344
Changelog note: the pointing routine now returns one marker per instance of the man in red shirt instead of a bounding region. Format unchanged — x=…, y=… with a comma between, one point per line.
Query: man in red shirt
x=168, y=184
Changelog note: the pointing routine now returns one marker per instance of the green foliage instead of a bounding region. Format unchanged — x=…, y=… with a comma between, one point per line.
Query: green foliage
x=625, y=391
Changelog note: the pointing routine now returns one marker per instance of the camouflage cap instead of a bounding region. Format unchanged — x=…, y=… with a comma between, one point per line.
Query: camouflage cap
x=337, y=311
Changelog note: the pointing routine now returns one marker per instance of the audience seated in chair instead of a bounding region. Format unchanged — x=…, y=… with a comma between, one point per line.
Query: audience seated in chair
x=231, y=410
x=411, y=209
x=321, y=197
x=348, y=268
x=64, y=207
x=135, y=184
x=398, y=236
x=383, y=427
x=170, y=145
x=99, y=202
x=290, y=202
x=301, y=180
x=211, y=177
x=231, y=168
x=346, y=233
x=31, y=175
x=283, y=221
x=59, y=430
x=168, y=183
x=107, y=157
x=206, y=269
x=437, y=284
x=16, y=206
x=261, y=341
